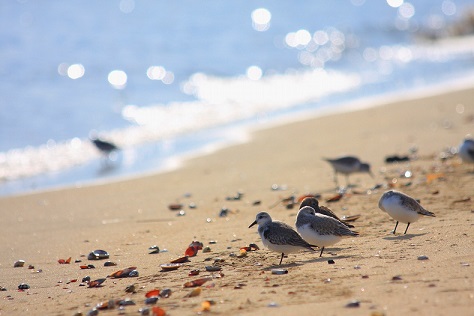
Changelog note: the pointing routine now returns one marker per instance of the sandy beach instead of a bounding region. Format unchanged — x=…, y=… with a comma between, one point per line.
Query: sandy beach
x=378, y=272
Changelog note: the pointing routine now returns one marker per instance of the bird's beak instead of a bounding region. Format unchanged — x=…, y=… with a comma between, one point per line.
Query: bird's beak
x=255, y=222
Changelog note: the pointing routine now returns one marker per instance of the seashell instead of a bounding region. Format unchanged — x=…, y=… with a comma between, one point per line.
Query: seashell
x=96, y=283
x=152, y=293
x=98, y=255
x=330, y=261
x=158, y=311
x=109, y=264
x=89, y=266
x=242, y=253
x=93, y=312
x=122, y=273
x=165, y=293
x=175, y=206
x=126, y=302
x=170, y=266
x=19, y=264
x=194, y=292
x=110, y=304
x=144, y=311
x=206, y=306
x=213, y=268
x=279, y=271
x=206, y=249
x=23, y=286
x=193, y=272
x=154, y=249
x=133, y=274
x=335, y=198
x=181, y=260
x=197, y=282
x=31, y=266
x=350, y=218
x=192, y=205
x=151, y=300
x=67, y=261
x=191, y=252
x=196, y=244
x=181, y=213
x=86, y=279
x=423, y=258
x=3, y=288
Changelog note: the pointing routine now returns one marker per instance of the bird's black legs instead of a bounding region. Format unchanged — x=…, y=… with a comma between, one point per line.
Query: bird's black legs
x=321, y=253
x=282, y=254
x=395, y=229
x=407, y=228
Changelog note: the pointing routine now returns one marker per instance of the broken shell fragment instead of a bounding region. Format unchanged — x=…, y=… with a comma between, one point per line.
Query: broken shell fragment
x=154, y=249
x=352, y=304
x=197, y=282
x=279, y=271
x=191, y=252
x=98, y=255
x=193, y=272
x=196, y=244
x=181, y=260
x=175, y=206
x=151, y=300
x=152, y=293
x=96, y=283
x=213, y=268
x=109, y=264
x=158, y=311
x=170, y=266
x=165, y=293
x=194, y=292
x=124, y=273
x=67, y=261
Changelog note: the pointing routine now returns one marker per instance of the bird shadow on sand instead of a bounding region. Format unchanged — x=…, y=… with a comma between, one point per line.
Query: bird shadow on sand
x=403, y=237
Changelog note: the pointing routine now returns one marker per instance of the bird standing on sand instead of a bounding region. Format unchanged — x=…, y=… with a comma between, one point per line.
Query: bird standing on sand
x=314, y=203
x=320, y=229
x=466, y=150
x=402, y=208
x=348, y=165
x=278, y=236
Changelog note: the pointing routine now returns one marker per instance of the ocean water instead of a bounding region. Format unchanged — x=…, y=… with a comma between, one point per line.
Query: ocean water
x=167, y=79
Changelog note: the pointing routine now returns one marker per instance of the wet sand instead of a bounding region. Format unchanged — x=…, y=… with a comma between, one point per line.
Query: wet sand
x=379, y=270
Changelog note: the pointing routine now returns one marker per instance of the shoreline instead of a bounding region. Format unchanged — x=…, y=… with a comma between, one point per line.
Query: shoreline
x=125, y=218
x=245, y=134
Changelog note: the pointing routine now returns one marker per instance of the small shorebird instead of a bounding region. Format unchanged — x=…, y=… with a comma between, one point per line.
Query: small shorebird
x=105, y=147
x=402, y=208
x=278, y=236
x=313, y=202
x=466, y=150
x=348, y=165
x=319, y=229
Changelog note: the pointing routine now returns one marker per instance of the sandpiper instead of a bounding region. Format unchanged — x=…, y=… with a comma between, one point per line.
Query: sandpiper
x=402, y=208
x=319, y=229
x=278, y=236
x=314, y=203
x=348, y=165
x=105, y=147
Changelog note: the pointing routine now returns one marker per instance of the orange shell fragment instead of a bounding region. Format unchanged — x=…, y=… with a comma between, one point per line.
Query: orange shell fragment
x=195, y=283
x=191, y=251
x=152, y=293
x=158, y=311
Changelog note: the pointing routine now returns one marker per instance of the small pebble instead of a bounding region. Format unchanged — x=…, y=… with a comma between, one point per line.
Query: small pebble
x=279, y=271
x=19, y=264
x=273, y=304
x=330, y=261
x=422, y=258
x=396, y=278
x=23, y=286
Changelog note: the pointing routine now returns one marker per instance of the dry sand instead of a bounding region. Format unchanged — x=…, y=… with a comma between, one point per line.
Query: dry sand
x=127, y=217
